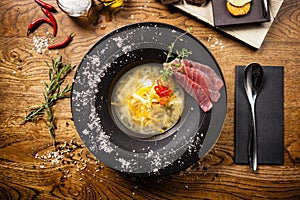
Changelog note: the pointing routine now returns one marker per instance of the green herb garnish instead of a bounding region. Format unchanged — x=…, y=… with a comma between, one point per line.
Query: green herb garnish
x=183, y=53
x=52, y=93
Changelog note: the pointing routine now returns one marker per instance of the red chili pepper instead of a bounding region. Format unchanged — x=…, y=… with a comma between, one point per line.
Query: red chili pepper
x=161, y=90
x=36, y=23
x=62, y=43
x=52, y=19
x=46, y=5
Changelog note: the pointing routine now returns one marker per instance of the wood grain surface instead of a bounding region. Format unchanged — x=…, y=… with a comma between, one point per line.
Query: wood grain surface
x=29, y=167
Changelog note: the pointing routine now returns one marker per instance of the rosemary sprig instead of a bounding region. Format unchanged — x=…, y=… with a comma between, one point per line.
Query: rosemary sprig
x=52, y=93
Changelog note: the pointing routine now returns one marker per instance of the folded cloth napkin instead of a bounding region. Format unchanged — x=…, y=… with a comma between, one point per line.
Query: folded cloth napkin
x=269, y=116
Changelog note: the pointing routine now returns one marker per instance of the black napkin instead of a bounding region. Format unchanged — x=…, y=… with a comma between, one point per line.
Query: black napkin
x=269, y=115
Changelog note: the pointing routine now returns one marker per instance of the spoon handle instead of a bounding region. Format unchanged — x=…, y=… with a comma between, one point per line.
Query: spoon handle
x=252, y=142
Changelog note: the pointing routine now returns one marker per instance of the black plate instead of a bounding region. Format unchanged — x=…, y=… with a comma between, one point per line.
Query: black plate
x=191, y=138
x=223, y=18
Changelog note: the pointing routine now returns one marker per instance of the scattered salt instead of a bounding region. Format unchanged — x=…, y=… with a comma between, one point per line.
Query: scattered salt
x=125, y=164
x=215, y=43
x=40, y=44
x=51, y=157
x=126, y=48
x=119, y=41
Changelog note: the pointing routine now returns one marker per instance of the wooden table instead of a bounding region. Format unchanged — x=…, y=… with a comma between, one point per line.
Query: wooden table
x=29, y=170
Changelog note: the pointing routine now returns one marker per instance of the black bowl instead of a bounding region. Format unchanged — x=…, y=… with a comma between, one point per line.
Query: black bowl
x=116, y=53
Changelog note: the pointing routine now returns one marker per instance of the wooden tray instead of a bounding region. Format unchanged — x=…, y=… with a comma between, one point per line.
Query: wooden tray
x=251, y=34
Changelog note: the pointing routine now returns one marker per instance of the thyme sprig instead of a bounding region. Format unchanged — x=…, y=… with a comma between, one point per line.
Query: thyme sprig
x=52, y=93
x=183, y=53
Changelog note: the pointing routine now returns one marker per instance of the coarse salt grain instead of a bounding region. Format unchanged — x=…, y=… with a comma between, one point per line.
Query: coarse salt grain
x=131, y=17
x=155, y=170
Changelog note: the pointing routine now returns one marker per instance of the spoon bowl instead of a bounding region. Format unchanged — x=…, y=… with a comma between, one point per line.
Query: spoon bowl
x=253, y=78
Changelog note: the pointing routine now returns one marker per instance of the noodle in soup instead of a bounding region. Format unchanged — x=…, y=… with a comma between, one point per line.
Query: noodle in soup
x=144, y=103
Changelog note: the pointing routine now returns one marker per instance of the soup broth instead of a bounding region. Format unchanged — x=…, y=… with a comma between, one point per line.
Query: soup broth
x=138, y=105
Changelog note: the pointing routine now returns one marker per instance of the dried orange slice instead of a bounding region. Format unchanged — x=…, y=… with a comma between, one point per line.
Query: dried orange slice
x=238, y=10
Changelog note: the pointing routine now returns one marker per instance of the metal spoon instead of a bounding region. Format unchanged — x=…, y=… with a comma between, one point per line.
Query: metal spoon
x=253, y=76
